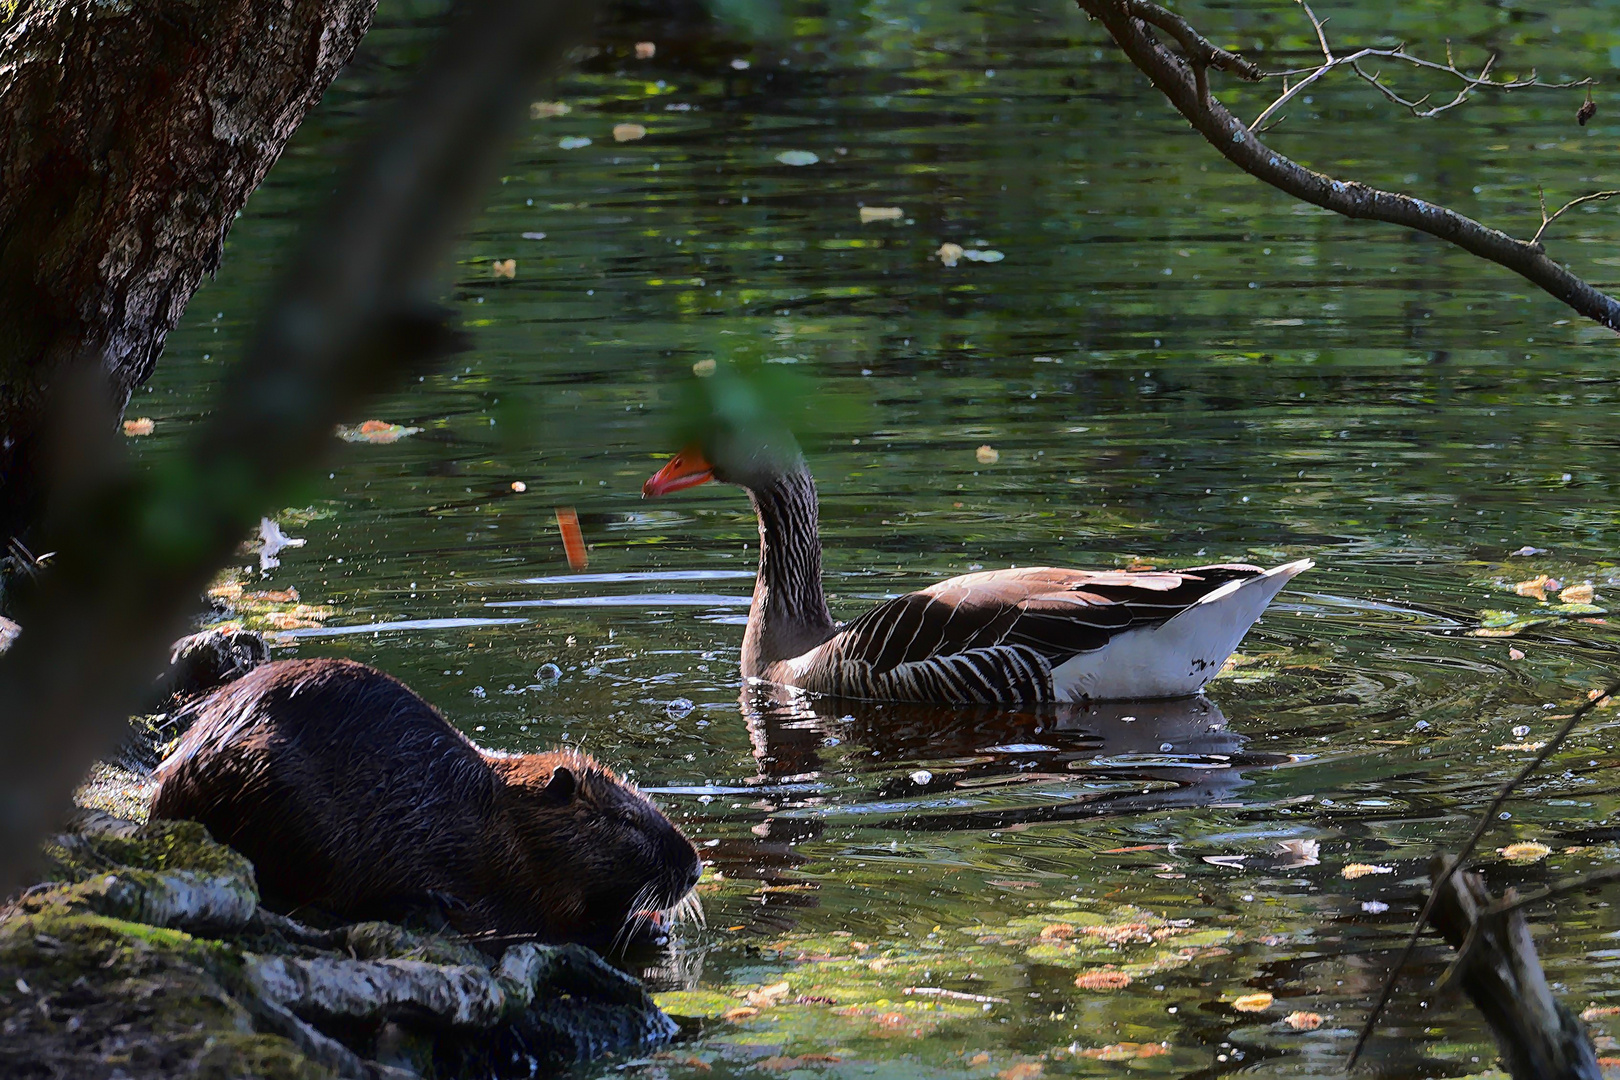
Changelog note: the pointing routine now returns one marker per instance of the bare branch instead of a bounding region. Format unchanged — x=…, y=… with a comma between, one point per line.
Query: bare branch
x=1548, y=219
x=1131, y=24
x=1562, y=887
x=1460, y=862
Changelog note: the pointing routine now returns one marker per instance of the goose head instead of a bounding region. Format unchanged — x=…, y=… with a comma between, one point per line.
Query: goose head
x=744, y=455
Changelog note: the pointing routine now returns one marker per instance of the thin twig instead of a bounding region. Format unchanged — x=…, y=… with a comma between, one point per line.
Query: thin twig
x=1548, y=219
x=1468, y=847
x=1564, y=887
x=1321, y=31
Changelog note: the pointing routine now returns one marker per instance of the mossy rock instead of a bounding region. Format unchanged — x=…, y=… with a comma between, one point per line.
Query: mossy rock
x=92, y=997
x=161, y=846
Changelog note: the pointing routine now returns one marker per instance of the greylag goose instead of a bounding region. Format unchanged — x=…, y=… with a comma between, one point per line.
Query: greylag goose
x=1021, y=636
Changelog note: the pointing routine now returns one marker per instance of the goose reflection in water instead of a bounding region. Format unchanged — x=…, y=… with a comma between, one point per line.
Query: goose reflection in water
x=934, y=768
x=1107, y=757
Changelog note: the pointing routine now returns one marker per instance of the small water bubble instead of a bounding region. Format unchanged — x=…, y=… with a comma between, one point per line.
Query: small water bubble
x=921, y=776
x=548, y=673
x=679, y=709
x=1165, y=748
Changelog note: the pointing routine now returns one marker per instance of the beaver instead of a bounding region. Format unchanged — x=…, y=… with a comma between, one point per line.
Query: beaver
x=353, y=795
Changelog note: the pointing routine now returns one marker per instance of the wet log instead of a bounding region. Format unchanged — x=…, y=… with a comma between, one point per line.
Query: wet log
x=130, y=135
x=1496, y=966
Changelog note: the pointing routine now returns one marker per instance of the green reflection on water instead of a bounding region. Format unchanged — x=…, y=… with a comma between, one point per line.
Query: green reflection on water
x=1173, y=364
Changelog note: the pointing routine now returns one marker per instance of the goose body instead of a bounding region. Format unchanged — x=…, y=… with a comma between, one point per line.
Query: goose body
x=1019, y=636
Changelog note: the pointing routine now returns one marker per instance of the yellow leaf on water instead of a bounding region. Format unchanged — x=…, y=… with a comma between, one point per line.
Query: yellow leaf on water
x=504, y=268
x=1361, y=869
x=1515, y=654
x=545, y=110
x=1526, y=852
x=1577, y=594
x=949, y=253
x=1598, y=1012
x=742, y=1012
x=628, y=132
x=1303, y=1021
x=1252, y=1003
x=704, y=368
x=1535, y=588
x=766, y=996
x=881, y=213
x=139, y=426
x=981, y=1058
x=987, y=454
x=646, y=50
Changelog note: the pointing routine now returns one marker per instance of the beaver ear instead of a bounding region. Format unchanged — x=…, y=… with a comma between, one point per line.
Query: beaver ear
x=560, y=788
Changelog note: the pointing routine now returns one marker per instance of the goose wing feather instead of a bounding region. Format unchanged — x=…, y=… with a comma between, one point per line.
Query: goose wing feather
x=1056, y=613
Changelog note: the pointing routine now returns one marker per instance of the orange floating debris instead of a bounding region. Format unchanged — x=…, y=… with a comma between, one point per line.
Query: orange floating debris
x=573, y=540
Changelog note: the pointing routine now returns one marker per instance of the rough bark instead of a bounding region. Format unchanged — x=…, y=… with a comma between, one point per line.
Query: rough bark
x=130, y=135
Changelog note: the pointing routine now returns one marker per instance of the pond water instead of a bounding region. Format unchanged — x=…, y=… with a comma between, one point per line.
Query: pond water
x=1172, y=364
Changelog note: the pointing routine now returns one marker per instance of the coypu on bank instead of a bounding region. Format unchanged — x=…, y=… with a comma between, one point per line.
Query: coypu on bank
x=352, y=794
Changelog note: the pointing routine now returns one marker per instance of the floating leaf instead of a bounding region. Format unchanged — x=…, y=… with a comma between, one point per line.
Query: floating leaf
x=1515, y=654
x=1253, y=1003
x=797, y=157
x=1598, y=1012
x=545, y=110
x=881, y=213
x=1361, y=870
x=573, y=142
x=646, y=50
x=949, y=253
x=375, y=431
x=767, y=996
x=1303, y=1021
x=1126, y=1051
x=1300, y=853
x=140, y=426
x=1524, y=852
x=628, y=132
x=987, y=454
x=1577, y=594
x=504, y=268
x=1535, y=588
x=742, y=1012
x=1102, y=981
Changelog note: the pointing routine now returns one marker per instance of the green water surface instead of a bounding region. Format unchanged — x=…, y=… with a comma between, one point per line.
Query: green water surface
x=1172, y=365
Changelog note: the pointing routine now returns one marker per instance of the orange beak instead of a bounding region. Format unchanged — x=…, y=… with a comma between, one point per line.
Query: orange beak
x=689, y=468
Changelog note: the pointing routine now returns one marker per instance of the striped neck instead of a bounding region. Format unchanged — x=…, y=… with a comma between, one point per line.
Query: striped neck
x=789, y=615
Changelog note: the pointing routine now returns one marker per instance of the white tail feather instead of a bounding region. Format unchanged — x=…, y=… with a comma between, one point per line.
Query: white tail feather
x=1179, y=656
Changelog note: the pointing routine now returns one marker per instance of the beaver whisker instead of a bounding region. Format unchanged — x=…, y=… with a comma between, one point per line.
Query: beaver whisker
x=689, y=908
x=638, y=904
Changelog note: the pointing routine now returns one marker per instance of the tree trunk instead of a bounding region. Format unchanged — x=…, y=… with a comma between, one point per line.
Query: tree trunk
x=130, y=136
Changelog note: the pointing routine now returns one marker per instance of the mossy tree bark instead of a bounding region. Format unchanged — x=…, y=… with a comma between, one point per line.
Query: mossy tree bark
x=130, y=136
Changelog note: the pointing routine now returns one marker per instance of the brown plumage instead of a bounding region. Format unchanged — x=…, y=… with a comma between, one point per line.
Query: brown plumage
x=352, y=794
x=1025, y=635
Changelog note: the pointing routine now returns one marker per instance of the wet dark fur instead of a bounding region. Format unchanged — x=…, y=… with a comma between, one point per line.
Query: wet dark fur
x=352, y=794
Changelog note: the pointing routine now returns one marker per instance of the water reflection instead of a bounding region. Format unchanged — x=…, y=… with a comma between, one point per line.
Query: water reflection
x=995, y=768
